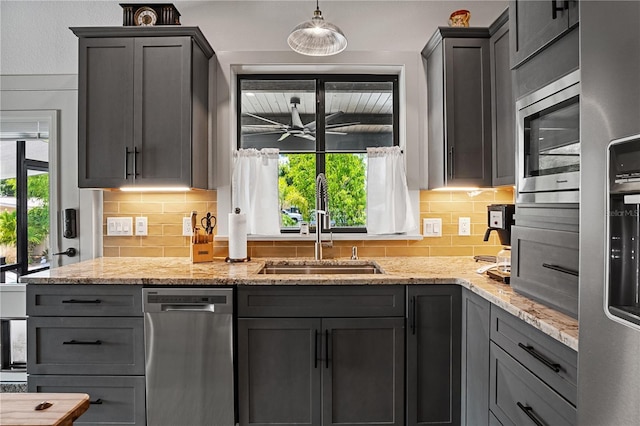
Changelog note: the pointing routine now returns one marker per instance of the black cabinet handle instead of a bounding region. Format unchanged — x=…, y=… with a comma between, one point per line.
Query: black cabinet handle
x=126, y=163
x=412, y=314
x=561, y=269
x=451, y=162
x=315, y=349
x=96, y=402
x=82, y=342
x=326, y=348
x=531, y=351
x=555, y=9
x=529, y=412
x=94, y=301
x=135, y=162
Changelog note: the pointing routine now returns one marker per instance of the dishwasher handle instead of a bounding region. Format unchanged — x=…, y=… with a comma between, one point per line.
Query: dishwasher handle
x=188, y=308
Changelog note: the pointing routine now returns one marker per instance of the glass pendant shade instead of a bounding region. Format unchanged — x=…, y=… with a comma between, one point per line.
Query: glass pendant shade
x=317, y=37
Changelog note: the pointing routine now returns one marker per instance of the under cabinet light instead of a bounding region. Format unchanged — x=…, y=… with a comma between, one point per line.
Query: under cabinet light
x=154, y=189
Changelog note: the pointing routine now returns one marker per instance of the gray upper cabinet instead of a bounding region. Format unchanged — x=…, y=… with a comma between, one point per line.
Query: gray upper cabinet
x=142, y=107
x=534, y=24
x=459, y=107
x=502, y=105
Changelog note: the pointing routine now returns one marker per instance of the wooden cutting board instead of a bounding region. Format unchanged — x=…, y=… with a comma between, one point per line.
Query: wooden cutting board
x=18, y=409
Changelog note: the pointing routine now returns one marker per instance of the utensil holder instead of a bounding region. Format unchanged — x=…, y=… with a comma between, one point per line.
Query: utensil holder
x=202, y=252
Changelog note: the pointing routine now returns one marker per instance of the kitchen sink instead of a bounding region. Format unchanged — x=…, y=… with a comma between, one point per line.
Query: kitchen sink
x=321, y=268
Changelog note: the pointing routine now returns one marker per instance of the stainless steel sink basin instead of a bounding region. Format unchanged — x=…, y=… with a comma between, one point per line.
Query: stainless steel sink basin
x=312, y=268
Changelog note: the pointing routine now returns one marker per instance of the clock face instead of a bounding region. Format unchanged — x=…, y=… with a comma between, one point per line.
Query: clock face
x=145, y=16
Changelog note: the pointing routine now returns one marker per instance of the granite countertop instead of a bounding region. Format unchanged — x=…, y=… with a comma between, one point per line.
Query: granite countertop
x=398, y=270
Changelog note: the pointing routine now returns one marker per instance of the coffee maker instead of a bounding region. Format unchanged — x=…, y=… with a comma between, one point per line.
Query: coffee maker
x=500, y=219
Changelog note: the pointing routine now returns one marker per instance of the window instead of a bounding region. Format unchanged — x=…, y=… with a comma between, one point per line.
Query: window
x=320, y=124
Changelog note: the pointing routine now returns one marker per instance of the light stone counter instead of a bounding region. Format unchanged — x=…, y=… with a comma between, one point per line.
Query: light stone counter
x=399, y=270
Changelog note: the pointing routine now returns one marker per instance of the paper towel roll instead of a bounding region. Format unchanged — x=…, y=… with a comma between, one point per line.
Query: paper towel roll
x=237, y=236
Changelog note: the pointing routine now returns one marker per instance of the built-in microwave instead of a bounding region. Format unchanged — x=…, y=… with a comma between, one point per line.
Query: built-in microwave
x=548, y=148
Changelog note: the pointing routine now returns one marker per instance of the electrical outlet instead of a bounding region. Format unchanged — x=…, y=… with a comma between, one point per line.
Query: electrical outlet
x=432, y=227
x=141, y=226
x=186, y=227
x=464, y=226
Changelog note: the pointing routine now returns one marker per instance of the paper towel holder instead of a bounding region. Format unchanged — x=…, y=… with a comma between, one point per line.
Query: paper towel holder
x=240, y=260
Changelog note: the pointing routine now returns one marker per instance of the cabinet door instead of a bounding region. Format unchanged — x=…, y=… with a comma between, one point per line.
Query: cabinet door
x=502, y=110
x=363, y=370
x=467, y=111
x=533, y=24
x=162, y=110
x=476, y=323
x=433, y=355
x=105, y=111
x=279, y=371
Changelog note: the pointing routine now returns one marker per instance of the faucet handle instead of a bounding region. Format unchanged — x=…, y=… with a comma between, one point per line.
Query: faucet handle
x=327, y=220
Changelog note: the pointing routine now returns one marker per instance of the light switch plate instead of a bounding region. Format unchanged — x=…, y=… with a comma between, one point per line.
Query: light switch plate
x=432, y=227
x=186, y=227
x=464, y=226
x=141, y=226
x=119, y=226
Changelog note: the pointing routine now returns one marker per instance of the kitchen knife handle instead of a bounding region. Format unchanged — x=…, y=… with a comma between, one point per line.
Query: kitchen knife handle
x=561, y=269
x=531, y=351
x=529, y=412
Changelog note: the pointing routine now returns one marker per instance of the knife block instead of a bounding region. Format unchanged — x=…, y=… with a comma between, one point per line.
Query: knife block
x=202, y=252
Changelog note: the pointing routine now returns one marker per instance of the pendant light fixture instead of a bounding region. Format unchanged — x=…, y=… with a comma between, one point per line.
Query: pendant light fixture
x=317, y=37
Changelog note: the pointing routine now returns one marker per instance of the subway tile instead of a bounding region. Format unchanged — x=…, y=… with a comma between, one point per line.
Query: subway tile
x=385, y=243
x=163, y=197
x=261, y=243
x=153, y=229
x=305, y=252
x=466, y=240
x=110, y=207
x=475, y=217
x=186, y=208
x=273, y=251
x=141, y=251
x=111, y=251
x=371, y=252
x=177, y=251
x=408, y=251
x=168, y=229
x=446, y=217
x=445, y=240
x=348, y=243
x=505, y=196
x=435, y=196
x=452, y=251
x=163, y=241
x=486, y=250
x=140, y=208
x=480, y=206
x=120, y=196
x=166, y=218
x=457, y=206
x=121, y=241
x=223, y=251
x=199, y=195
x=482, y=195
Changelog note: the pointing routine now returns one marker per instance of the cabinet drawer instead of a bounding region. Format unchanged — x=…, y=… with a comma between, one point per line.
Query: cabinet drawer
x=68, y=345
x=520, y=398
x=545, y=267
x=84, y=300
x=115, y=400
x=538, y=352
x=321, y=301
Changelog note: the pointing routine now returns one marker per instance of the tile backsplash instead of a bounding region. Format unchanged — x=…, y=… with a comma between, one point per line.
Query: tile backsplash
x=165, y=211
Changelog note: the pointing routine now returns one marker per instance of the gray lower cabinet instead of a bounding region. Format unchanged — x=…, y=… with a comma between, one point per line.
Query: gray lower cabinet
x=535, y=24
x=476, y=326
x=89, y=339
x=115, y=400
x=503, y=107
x=459, y=107
x=322, y=369
x=433, y=354
x=143, y=106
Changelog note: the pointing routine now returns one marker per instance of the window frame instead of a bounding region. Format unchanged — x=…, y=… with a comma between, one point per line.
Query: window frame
x=320, y=148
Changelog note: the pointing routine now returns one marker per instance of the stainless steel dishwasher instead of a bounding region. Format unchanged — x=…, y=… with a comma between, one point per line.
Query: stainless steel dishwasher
x=189, y=356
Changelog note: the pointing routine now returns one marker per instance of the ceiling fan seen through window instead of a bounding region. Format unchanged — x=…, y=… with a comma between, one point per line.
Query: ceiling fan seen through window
x=296, y=128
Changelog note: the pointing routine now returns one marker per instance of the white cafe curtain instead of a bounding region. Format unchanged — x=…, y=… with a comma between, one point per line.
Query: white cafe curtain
x=254, y=187
x=388, y=205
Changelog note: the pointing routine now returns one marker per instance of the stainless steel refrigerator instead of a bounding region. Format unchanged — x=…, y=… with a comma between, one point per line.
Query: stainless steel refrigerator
x=609, y=351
